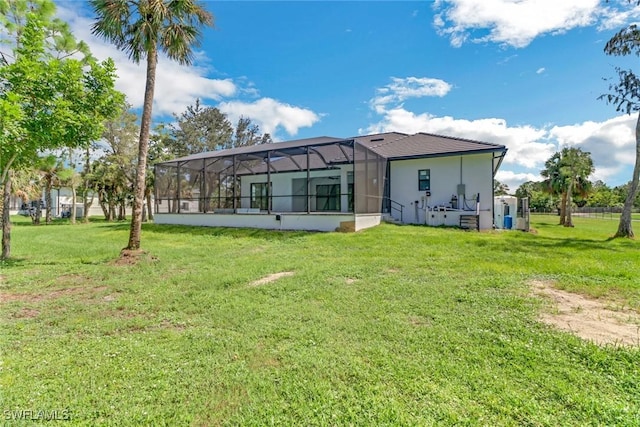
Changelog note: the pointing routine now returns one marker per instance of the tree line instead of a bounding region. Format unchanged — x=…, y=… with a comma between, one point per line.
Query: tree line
x=565, y=184
x=56, y=98
x=108, y=166
x=62, y=123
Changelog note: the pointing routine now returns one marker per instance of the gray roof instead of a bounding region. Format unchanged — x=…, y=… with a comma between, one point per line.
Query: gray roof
x=390, y=145
x=298, y=143
x=395, y=145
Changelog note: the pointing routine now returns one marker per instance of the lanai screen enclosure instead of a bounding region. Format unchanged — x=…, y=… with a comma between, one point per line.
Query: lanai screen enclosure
x=317, y=183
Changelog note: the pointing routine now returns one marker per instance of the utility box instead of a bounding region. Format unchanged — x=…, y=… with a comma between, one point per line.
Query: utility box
x=503, y=207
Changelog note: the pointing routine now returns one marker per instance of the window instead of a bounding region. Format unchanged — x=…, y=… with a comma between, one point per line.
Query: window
x=260, y=196
x=424, y=179
x=328, y=197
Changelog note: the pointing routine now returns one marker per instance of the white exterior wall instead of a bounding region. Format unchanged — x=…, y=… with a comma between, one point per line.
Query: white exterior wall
x=282, y=189
x=473, y=170
x=320, y=222
x=367, y=221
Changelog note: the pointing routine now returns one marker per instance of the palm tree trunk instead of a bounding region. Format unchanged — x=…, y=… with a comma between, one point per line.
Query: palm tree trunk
x=72, y=218
x=88, y=201
x=86, y=184
x=143, y=148
x=112, y=207
x=6, y=219
x=563, y=208
x=37, y=216
x=568, y=221
x=103, y=203
x=122, y=210
x=624, y=227
x=47, y=199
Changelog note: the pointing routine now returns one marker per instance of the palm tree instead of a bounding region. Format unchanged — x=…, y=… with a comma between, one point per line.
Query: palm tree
x=566, y=174
x=140, y=28
x=52, y=171
x=576, y=166
x=555, y=182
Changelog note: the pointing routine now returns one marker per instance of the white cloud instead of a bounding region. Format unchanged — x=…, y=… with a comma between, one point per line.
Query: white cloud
x=515, y=179
x=611, y=142
x=401, y=89
x=540, y=70
x=616, y=18
x=526, y=144
x=271, y=114
x=517, y=22
x=176, y=86
x=179, y=86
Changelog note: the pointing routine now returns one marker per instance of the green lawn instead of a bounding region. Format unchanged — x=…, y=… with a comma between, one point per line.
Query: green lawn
x=396, y=325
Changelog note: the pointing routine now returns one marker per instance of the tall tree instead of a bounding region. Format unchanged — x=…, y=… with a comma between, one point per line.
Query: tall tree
x=566, y=175
x=555, y=182
x=248, y=133
x=539, y=199
x=50, y=168
x=121, y=136
x=141, y=28
x=500, y=188
x=576, y=166
x=625, y=96
x=200, y=129
x=49, y=102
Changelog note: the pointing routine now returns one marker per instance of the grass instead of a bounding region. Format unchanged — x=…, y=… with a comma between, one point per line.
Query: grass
x=391, y=326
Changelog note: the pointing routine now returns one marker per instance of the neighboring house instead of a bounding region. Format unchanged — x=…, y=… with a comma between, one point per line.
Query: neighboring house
x=326, y=183
x=61, y=199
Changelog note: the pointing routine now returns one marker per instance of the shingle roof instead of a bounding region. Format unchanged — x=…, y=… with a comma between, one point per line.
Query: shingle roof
x=395, y=145
x=390, y=145
x=320, y=140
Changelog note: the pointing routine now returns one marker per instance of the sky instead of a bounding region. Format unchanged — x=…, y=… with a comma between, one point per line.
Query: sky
x=523, y=73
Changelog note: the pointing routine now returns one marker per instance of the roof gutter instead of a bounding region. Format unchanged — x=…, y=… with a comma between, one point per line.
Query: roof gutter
x=500, y=158
x=448, y=154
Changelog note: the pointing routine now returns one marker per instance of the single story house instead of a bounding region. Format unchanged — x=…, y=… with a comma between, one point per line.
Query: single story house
x=326, y=183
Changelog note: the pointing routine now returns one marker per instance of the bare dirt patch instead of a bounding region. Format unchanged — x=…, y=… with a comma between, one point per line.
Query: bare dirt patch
x=132, y=257
x=270, y=278
x=26, y=313
x=587, y=318
x=54, y=294
x=72, y=280
x=419, y=321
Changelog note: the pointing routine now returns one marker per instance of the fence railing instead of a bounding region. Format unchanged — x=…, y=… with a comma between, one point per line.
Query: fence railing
x=589, y=211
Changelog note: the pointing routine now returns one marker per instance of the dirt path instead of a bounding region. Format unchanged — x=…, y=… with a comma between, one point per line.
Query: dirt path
x=587, y=318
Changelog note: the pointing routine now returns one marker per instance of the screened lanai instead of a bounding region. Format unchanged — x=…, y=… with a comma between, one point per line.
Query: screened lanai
x=311, y=176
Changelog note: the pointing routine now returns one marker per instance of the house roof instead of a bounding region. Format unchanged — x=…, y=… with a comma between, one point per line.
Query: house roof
x=394, y=145
x=277, y=146
x=329, y=150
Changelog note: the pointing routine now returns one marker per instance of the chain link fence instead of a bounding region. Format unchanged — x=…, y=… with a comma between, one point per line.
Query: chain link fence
x=607, y=212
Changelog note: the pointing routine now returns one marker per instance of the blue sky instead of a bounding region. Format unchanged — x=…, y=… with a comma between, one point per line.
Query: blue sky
x=524, y=73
